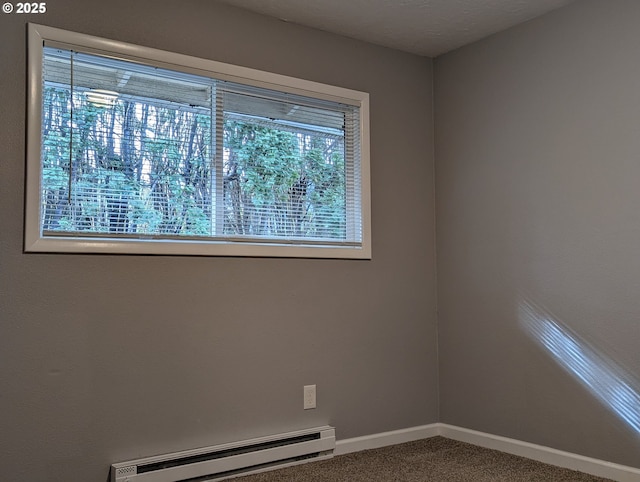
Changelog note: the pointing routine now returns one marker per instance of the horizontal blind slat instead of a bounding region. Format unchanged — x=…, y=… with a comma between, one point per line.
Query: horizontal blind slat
x=144, y=157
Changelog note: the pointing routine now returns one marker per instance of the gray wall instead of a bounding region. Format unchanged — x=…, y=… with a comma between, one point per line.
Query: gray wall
x=105, y=358
x=538, y=162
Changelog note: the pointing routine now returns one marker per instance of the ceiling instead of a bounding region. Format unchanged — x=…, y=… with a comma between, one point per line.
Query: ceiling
x=423, y=27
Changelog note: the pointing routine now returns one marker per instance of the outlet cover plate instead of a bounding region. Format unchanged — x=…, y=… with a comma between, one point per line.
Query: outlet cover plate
x=309, y=397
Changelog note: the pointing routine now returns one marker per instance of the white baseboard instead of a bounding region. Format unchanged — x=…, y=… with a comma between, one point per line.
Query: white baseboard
x=384, y=439
x=559, y=458
x=568, y=460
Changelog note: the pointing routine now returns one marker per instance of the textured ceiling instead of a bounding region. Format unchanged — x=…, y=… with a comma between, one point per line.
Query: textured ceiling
x=424, y=27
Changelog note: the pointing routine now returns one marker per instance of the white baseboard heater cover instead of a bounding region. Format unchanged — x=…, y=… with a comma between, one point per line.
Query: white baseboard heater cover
x=222, y=462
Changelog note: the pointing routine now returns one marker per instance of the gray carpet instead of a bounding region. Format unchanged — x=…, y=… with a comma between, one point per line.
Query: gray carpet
x=435, y=459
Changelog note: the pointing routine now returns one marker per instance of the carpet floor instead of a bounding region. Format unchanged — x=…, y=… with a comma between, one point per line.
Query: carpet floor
x=435, y=459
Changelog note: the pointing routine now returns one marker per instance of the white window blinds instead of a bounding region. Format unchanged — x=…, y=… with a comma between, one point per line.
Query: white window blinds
x=130, y=150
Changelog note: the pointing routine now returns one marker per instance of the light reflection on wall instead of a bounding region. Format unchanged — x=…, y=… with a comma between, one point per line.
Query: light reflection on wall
x=604, y=378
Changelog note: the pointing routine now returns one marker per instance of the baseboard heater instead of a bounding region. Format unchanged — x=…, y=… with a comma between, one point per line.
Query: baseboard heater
x=222, y=462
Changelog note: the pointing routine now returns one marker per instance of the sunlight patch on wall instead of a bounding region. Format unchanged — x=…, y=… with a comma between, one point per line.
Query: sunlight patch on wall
x=603, y=377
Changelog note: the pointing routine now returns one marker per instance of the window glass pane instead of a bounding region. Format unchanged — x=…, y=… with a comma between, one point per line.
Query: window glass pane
x=123, y=164
x=284, y=177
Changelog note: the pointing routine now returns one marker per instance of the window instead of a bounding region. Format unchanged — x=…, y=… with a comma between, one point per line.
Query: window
x=137, y=150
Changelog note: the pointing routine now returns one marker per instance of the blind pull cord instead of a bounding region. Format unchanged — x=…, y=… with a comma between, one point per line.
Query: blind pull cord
x=70, y=133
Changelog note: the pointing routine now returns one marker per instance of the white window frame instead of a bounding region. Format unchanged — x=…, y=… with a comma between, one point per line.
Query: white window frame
x=35, y=241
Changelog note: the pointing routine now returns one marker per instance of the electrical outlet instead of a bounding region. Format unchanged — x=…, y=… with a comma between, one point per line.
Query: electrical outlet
x=309, y=397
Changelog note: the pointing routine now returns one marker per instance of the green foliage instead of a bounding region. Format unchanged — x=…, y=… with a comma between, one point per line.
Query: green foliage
x=282, y=183
x=143, y=169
